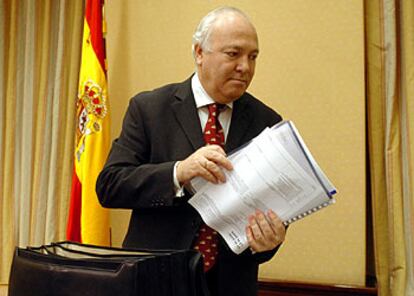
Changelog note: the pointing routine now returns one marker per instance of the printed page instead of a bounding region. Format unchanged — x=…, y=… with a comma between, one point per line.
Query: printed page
x=287, y=135
x=265, y=176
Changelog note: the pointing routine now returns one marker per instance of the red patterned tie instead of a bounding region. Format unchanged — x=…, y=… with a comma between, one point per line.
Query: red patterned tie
x=207, y=240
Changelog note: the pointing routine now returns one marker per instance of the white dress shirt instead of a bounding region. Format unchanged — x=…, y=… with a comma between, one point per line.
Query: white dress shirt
x=202, y=100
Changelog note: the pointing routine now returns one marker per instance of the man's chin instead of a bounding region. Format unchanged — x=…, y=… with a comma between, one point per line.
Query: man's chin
x=233, y=95
x=238, y=91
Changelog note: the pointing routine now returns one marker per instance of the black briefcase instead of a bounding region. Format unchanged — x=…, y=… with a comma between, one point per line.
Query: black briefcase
x=68, y=269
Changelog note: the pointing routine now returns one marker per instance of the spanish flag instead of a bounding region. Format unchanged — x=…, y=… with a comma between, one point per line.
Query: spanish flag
x=88, y=222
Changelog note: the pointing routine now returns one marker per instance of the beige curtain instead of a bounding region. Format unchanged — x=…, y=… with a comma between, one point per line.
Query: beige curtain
x=390, y=105
x=39, y=64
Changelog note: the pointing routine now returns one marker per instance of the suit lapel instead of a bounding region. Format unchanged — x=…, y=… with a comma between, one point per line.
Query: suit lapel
x=185, y=111
x=240, y=122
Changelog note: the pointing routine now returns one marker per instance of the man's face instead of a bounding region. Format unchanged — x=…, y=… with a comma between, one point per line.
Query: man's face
x=226, y=67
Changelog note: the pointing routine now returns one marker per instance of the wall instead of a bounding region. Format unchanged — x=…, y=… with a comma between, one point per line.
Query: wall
x=310, y=69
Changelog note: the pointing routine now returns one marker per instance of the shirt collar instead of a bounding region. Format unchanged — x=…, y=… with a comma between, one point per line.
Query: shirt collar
x=201, y=97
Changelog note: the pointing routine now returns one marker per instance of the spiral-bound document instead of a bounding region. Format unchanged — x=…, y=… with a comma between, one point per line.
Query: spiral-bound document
x=273, y=171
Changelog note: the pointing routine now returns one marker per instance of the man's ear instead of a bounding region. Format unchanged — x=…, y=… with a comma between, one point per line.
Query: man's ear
x=199, y=53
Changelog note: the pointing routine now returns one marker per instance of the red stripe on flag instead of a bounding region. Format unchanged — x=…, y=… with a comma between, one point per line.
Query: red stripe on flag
x=73, y=230
x=93, y=15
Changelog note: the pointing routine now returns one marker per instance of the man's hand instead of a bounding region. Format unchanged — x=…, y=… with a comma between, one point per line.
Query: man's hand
x=207, y=162
x=265, y=233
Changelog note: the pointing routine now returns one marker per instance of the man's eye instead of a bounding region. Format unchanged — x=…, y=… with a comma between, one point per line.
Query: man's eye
x=253, y=57
x=231, y=54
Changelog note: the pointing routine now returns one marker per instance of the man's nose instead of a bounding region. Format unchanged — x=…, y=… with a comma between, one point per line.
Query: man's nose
x=244, y=64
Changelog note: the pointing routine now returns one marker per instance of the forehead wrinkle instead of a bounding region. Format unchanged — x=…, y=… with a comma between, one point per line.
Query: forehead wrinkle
x=239, y=48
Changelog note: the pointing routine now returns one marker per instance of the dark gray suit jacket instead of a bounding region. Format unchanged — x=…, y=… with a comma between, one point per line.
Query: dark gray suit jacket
x=159, y=128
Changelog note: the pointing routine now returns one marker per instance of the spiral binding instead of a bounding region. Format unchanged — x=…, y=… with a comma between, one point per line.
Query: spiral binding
x=308, y=212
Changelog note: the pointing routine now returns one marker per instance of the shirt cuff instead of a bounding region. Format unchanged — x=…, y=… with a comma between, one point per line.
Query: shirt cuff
x=179, y=190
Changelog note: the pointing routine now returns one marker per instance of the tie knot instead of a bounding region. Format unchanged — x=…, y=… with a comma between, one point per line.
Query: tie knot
x=215, y=109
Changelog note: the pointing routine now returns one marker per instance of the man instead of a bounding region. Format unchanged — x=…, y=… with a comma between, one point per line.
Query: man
x=161, y=148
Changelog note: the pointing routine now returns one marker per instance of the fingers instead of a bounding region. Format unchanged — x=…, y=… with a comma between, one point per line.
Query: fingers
x=265, y=233
x=207, y=162
x=277, y=226
x=215, y=155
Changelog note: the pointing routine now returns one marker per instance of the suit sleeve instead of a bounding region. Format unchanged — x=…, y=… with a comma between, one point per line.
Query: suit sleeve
x=129, y=179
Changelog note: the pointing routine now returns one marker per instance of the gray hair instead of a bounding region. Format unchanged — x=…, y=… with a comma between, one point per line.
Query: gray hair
x=202, y=34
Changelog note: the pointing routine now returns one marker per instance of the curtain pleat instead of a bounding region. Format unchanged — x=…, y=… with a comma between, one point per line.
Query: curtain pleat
x=9, y=233
x=389, y=49
x=393, y=151
x=72, y=56
x=407, y=107
x=24, y=122
x=55, y=81
x=39, y=61
x=44, y=14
